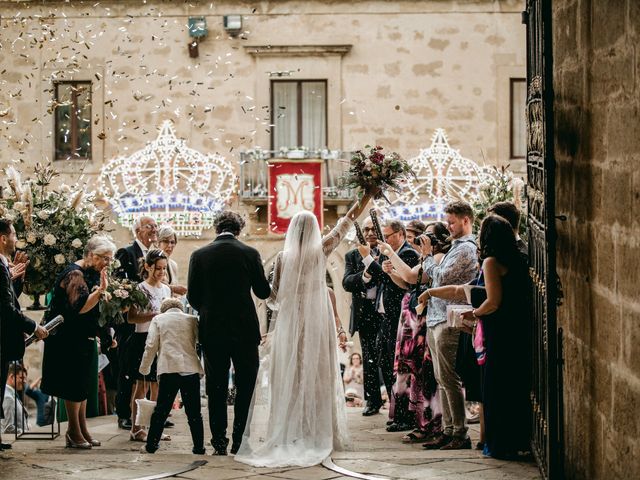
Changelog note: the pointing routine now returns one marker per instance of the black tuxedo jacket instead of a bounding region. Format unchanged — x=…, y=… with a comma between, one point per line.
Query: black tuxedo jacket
x=13, y=324
x=391, y=293
x=129, y=258
x=363, y=313
x=221, y=278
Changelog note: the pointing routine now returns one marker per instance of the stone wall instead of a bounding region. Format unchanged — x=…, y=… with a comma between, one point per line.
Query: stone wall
x=597, y=88
x=412, y=66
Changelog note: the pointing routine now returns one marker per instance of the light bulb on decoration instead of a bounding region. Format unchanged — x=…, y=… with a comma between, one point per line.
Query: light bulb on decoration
x=174, y=184
x=442, y=175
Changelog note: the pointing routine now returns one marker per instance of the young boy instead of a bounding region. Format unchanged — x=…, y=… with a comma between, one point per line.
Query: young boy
x=173, y=335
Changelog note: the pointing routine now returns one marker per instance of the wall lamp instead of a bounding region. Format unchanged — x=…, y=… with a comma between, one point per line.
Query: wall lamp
x=232, y=24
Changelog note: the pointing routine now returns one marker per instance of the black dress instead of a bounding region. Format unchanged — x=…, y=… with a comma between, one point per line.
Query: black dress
x=66, y=365
x=506, y=383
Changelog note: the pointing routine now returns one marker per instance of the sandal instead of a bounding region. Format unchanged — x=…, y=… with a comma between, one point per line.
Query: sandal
x=165, y=438
x=415, y=437
x=138, y=436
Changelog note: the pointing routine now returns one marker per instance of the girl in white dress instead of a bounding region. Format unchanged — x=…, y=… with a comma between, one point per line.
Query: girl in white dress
x=154, y=272
x=305, y=407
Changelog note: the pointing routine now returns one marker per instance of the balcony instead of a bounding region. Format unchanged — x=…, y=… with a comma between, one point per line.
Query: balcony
x=254, y=174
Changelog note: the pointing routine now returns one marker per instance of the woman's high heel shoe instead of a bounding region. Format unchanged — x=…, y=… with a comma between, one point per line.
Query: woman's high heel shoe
x=94, y=442
x=82, y=445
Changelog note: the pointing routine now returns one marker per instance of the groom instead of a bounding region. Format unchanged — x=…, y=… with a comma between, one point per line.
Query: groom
x=221, y=278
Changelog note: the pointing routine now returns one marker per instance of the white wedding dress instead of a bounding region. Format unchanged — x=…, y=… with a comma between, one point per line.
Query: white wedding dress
x=298, y=412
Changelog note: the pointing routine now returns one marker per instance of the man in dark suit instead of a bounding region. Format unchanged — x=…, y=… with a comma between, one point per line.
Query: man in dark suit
x=13, y=324
x=130, y=259
x=364, y=317
x=391, y=289
x=221, y=278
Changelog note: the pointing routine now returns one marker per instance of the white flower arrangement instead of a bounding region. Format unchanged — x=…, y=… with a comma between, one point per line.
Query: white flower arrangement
x=52, y=225
x=49, y=239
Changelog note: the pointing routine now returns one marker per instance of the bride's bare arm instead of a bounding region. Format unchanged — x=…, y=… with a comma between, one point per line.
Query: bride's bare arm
x=333, y=238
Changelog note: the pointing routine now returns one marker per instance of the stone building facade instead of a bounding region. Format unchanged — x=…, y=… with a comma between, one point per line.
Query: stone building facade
x=597, y=92
x=394, y=70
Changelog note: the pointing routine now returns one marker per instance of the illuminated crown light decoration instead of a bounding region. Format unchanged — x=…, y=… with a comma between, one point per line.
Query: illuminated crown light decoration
x=166, y=180
x=442, y=175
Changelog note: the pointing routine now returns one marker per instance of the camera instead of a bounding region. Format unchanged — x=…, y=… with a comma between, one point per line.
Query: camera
x=432, y=237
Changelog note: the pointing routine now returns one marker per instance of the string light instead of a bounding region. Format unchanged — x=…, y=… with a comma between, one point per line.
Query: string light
x=174, y=184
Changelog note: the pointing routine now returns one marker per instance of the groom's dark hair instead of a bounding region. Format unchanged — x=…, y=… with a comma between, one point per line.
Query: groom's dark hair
x=229, y=222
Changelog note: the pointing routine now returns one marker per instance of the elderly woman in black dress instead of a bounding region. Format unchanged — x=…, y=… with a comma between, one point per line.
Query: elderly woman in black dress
x=66, y=368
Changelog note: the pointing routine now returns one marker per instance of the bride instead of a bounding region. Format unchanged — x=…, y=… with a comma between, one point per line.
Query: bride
x=305, y=405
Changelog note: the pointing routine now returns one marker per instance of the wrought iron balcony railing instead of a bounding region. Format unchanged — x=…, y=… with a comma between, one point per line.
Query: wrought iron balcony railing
x=254, y=172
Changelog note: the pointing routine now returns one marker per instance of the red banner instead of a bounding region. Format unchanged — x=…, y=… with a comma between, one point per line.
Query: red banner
x=294, y=185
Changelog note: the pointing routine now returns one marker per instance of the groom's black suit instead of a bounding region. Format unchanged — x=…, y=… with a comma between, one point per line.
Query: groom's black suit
x=221, y=277
x=366, y=321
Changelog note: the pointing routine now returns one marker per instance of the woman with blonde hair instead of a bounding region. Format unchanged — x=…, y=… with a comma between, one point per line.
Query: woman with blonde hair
x=167, y=241
x=66, y=366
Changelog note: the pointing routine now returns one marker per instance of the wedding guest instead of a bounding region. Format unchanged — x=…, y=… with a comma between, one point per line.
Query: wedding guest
x=68, y=355
x=391, y=290
x=459, y=266
x=510, y=212
x=173, y=336
x=415, y=377
x=506, y=410
x=415, y=228
x=364, y=318
x=353, y=377
x=145, y=230
x=13, y=323
x=44, y=402
x=16, y=417
x=167, y=241
x=153, y=272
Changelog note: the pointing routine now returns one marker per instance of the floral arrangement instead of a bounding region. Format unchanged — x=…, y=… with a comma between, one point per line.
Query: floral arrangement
x=500, y=186
x=376, y=171
x=118, y=298
x=52, y=226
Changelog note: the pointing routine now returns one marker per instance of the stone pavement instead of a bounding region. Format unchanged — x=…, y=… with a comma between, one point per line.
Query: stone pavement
x=373, y=451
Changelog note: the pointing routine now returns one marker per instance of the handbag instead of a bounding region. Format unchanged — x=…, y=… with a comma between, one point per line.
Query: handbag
x=145, y=410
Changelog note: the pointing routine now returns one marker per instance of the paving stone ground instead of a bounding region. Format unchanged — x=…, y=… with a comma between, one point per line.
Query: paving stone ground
x=372, y=451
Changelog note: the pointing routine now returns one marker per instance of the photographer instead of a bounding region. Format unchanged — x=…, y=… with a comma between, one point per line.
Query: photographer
x=415, y=228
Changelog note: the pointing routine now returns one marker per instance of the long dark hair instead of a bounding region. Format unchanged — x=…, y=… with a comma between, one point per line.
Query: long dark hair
x=441, y=232
x=498, y=240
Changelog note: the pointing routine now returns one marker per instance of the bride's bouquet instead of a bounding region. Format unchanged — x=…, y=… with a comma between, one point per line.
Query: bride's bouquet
x=376, y=172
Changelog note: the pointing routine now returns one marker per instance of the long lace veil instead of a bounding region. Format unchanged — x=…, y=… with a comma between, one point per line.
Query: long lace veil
x=300, y=414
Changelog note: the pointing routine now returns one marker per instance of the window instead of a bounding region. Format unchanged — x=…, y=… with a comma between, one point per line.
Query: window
x=73, y=120
x=518, y=129
x=299, y=114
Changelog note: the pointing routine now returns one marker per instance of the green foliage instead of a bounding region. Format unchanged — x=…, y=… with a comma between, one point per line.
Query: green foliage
x=52, y=226
x=501, y=186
